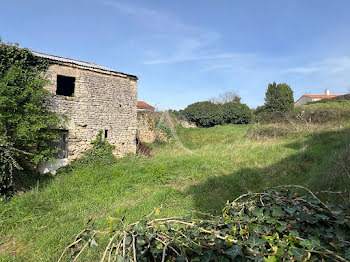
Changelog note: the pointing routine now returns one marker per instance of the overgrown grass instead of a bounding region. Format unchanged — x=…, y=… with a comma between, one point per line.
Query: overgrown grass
x=210, y=167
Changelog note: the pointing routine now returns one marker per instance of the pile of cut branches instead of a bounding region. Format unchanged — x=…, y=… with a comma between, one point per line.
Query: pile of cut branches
x=276, y=225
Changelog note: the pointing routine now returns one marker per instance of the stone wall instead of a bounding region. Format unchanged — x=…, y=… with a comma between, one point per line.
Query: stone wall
x=149, y=125
x=102, y=100
x=146, y=128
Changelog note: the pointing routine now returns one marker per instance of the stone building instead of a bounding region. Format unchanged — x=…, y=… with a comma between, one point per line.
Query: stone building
x=92, y=98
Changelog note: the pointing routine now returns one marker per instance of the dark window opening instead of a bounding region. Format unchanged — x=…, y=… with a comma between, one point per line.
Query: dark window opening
x=65, y=85
x=61, y=145
x=106, y=133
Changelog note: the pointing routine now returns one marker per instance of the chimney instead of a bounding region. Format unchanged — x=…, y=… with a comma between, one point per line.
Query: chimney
x=327, y=92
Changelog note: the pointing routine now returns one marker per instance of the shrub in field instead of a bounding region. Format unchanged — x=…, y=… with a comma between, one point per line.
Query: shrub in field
x=208, y=114
x=25, y=123
x=275, y=225
x=236, y=113
x=321, y=112
x=204, y=114
x=100, y=152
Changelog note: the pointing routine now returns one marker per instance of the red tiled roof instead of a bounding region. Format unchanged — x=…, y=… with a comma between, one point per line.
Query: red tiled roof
x=141, y=104
x=321, y=96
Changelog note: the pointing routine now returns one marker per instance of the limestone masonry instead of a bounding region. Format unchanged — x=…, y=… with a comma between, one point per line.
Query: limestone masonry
x=92, y=98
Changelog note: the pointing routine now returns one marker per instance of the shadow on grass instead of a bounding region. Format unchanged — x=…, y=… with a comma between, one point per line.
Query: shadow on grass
x=27, y=180
x=317, y=165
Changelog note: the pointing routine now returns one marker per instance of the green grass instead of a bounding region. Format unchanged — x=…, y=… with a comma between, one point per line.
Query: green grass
x=209, y=167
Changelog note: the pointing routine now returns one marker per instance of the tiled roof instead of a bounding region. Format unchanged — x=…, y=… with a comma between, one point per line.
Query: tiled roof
x=141, y=104
x=321, y=96
x=77, y=62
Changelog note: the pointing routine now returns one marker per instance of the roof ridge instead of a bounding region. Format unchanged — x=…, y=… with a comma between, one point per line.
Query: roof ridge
x=68, y=58
x=78, y=62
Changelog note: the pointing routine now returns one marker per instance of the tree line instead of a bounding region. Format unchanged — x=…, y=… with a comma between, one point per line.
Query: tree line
x=228, y=109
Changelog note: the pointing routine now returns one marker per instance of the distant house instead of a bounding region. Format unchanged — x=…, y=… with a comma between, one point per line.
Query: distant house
x=143, y=106
x=313, y=98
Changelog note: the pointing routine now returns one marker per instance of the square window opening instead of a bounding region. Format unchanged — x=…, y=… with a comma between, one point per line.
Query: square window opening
x=65, y=85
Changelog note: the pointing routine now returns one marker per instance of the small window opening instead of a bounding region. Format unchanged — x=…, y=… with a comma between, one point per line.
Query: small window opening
x=106, y=133
x=65, y=85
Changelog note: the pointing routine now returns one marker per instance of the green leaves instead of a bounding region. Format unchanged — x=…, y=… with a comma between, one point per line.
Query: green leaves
x=25, y=121
x=208, y=114
x=233, y=251
x=279, y=98
x=280, y=229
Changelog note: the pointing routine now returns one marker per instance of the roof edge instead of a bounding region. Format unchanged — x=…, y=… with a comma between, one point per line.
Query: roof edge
x=88, y=65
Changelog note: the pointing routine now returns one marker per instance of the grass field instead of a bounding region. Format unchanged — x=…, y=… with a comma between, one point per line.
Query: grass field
x=209, y=167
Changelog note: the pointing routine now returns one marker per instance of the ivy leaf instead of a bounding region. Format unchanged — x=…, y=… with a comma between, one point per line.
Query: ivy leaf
x=311, y=244
x=278, y=212
x=233, y=251
x=347, y=254
x=298, y=253
x=255, y=241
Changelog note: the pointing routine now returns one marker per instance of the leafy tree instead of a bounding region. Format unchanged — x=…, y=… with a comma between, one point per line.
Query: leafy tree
x=25, y=122
x=204, y=114
x=236, y=113
x=279, y=98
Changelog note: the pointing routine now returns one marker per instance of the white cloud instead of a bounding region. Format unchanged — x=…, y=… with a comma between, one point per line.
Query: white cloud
x=327, y=65
x=174, y=40
x=184, y=57
x=303, y=70
x=158, y=19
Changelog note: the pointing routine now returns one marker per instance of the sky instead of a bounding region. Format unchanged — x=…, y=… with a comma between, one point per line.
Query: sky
x=189, y=51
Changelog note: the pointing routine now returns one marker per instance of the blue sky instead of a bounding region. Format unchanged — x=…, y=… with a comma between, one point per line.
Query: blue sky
x=189, y=51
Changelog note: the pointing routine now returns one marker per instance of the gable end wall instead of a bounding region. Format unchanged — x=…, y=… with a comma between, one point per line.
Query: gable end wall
x=101, y=101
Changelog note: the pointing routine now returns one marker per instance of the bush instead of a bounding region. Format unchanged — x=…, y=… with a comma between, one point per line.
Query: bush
x=208, y=114
x=25, y=121
x=236, y=113
x=204, y=114
x=321, y=113
x=8, y=162
x=275, y=225
x=101, y=152
x=26, y=124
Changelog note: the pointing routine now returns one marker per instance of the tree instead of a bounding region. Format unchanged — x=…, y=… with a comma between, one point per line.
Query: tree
x=204, y=114
x=226, y=97
x=279, y=98
x=236, y=113
x=25, y=122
